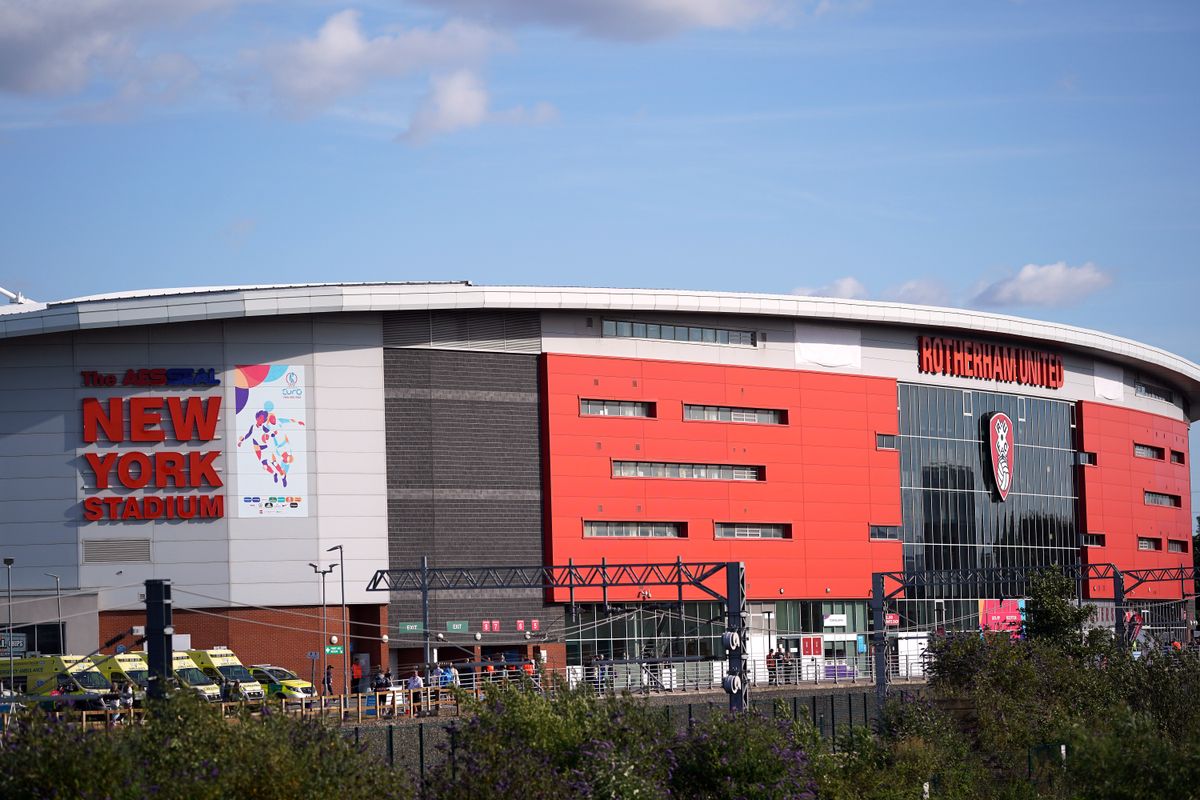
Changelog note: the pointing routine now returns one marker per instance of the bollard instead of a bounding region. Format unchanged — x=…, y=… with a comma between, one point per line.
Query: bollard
x=391, y=745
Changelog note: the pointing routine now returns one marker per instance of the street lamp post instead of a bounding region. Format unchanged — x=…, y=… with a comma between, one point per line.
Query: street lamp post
x=62, y=647
x=8, y=562
x=345, y=625
x=324, y=616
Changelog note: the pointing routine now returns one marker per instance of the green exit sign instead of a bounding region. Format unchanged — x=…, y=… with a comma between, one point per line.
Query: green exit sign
x=410, y=627
x=334, y=650
x=457, y=626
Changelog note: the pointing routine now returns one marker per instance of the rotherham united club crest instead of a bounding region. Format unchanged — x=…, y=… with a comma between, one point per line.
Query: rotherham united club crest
x=1002, y=447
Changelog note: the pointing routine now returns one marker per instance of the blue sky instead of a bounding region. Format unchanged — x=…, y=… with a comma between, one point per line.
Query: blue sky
x=1031, y=158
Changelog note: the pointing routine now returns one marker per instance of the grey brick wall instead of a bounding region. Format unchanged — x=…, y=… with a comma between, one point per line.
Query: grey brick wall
x=464, y=477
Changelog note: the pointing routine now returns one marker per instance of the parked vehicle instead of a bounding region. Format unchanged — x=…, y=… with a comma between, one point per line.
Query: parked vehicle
x=190, y=676
x=223, y=666
x=63, y=681
x=125, y=668
x=280, y=682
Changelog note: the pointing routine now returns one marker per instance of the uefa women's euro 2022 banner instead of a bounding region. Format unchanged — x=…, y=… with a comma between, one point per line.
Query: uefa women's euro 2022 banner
x=272, y=440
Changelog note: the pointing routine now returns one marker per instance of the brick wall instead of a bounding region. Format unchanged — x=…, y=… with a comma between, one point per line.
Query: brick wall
x=281, y=636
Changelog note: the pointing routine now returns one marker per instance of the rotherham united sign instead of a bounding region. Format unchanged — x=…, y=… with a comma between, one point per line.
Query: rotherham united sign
x=961, y=358
x=1002, y=447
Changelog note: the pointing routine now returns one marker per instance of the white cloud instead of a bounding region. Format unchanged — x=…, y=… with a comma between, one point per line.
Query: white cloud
x=309, y=75
x=62, y=46
x=847, y=288
x=1044, y=285
x=619, y=19
x=458, y=101
x=922, y=291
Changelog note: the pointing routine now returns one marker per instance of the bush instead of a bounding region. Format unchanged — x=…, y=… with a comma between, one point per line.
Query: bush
x=745, y=755
x=518, y=743
x=186, y=749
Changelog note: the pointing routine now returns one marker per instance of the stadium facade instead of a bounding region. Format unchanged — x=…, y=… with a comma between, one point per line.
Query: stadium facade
x=227, y=438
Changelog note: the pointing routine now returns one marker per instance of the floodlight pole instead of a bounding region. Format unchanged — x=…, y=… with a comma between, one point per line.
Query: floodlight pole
x=345, y=625
x=324, y=613
x=8, y=564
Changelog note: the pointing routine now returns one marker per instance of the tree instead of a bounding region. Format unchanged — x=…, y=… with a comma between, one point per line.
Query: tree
x=1051, y=613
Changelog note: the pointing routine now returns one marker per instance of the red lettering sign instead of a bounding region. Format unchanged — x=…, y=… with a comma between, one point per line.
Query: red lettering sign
x=961, y=358
x=140, y=419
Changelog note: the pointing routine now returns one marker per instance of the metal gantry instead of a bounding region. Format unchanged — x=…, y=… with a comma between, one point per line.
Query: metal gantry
x=889, y=585
x=680, y=575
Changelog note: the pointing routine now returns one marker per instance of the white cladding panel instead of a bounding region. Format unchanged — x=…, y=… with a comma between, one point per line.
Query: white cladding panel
x=44, y=478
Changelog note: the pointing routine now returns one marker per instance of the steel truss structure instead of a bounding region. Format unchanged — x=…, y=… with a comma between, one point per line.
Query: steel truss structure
x=573, y=577
x=889, y=585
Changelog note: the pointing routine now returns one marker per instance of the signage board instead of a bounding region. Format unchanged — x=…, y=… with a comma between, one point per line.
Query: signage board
x=965, y=358
x=313, y=655
x=334, y=649
x=410, y=627
x=272, y=444
x=835, y=620
x=146, y=421
x=891, y=619
x=457, y=626
x=520, y=625
x=14, y=646
x=534, y=625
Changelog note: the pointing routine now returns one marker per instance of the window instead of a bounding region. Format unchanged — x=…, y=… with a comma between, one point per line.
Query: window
x=968, y=404
x=640, y=530
x=1149, y=544
x=1144, y=389
x=1093, y=540
x=757, y=416
x=1159, y=499
x=887, y=441
x=1148, y=451
x=889, y=533
x=1175, y=546
x=1085, y=458
x=679, y=333
x=753, y=530
x=1177, y=457
x=616, y=408
x=713, y=472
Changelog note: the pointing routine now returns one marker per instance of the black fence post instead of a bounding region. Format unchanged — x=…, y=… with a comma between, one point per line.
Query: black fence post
x=391, y=745
x=795, y=709
x=421, y=753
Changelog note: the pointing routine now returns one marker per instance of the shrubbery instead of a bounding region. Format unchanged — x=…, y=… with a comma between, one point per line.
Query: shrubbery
x=187, y=750
x=520, y=744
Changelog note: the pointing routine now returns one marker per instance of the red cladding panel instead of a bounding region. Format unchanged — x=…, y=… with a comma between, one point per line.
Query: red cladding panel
x=824, y=476
x=1114, y=501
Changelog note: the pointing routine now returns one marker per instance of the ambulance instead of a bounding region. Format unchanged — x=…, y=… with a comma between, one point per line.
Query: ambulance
x=223, y=666
x=189, y=676
x=280, y=682
x=124, y=668
x=63, y=681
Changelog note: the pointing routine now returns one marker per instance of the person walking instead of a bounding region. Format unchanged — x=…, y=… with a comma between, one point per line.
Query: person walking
x=328, y=683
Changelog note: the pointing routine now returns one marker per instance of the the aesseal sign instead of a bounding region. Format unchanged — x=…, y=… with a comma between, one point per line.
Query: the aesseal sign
x=182, y=483
x=1002, y=448
x=964, y=358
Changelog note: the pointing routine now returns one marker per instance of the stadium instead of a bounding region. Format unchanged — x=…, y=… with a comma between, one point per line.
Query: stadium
x=239, y=441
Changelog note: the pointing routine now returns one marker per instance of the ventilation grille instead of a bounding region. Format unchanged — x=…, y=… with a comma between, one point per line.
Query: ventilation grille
x=122, y=551
x=492, y=331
